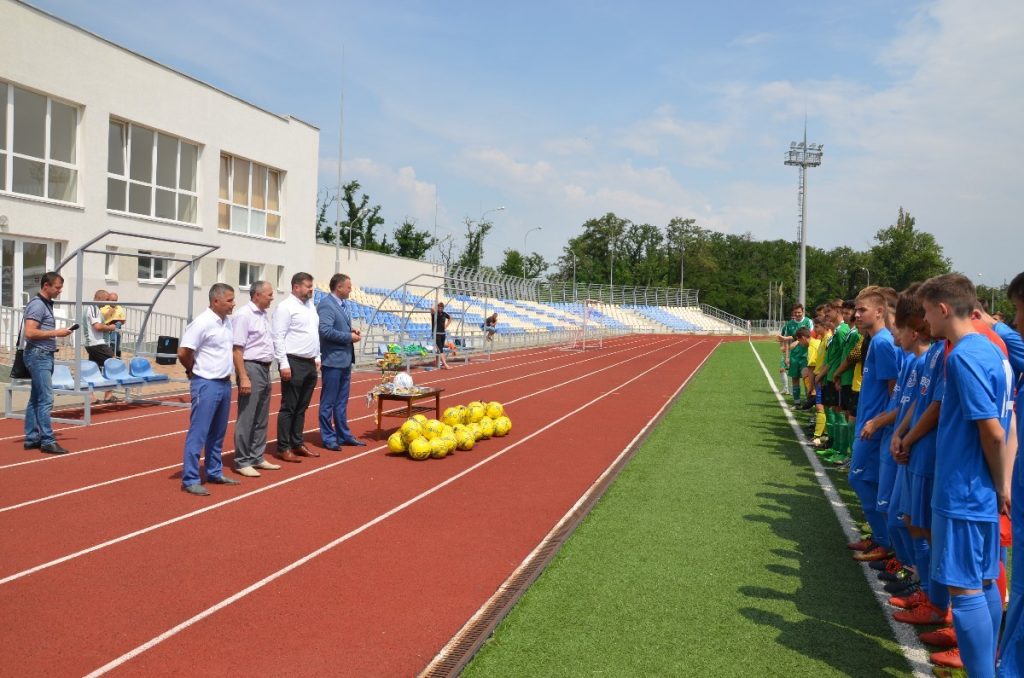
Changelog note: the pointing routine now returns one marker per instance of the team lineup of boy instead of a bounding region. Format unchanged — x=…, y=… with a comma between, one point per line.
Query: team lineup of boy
x=928, y=381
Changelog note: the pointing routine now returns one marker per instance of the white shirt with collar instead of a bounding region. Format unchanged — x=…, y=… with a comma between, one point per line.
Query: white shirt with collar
x=212, y=339
x=296, y=328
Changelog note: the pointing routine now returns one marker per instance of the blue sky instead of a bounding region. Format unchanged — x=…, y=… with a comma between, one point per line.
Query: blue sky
x=562, y=111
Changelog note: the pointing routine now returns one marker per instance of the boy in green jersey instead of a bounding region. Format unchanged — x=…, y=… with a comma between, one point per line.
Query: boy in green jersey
x=787, y=339
x=798, y=361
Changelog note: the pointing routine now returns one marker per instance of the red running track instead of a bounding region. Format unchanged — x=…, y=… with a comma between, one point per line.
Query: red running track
x=358, y=563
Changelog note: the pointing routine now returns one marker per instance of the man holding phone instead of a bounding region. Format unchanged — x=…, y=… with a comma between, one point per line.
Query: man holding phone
x=41, y=335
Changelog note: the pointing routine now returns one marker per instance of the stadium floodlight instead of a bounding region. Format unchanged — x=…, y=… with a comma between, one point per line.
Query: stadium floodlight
x=803, y=155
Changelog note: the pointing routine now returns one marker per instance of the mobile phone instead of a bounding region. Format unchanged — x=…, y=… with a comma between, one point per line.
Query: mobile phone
x=74, y=327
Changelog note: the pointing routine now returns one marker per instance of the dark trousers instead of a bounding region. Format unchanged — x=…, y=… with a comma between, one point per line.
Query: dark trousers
x=295, y=396
x=253, y=416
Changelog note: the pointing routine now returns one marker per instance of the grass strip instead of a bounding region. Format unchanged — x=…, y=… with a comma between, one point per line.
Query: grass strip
x=713, y=554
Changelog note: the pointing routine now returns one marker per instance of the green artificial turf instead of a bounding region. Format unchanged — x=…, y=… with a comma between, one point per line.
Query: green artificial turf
x=713, y=554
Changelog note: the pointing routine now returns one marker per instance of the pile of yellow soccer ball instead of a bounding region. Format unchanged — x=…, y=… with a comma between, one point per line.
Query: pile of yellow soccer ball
x=459, y=429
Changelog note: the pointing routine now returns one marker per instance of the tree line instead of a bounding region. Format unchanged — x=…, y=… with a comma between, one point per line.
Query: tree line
x=737, y=273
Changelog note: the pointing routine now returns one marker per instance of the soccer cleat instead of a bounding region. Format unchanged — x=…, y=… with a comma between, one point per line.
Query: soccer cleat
x=924, y=615
x=910, y=600
x=877, y=553
x=947, y=672
x=898, y=573
x=863, y=545
x=903, y=587
x=838, y=458
x=944, y=637
x=892, y=566
x=949, y=658
x=880, y=564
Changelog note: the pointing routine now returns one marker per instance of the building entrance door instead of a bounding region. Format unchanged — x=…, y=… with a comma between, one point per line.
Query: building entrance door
x=22, y=264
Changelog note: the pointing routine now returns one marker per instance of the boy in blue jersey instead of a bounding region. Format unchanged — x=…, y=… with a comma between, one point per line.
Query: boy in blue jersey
x=1011, y=649
x=972, y=471
x=881, y=369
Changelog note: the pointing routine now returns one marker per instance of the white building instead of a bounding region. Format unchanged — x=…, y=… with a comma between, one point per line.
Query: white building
x=95, y=137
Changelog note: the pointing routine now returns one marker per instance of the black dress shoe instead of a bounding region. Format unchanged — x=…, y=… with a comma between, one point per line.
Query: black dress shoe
x=355, y=442
x=333, y=447
x=222, y=480
x=32, y=446
x=53, y=448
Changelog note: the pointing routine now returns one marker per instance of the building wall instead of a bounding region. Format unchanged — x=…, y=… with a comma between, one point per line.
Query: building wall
x=46, y=55
x=371, y=269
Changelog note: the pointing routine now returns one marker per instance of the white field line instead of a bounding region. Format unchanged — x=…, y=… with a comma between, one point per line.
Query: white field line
x=72, y=427
x=226, y=502
x=362, y=528
x=458, y=638
x=905, y=634
x=272, y=440
x=352, y=398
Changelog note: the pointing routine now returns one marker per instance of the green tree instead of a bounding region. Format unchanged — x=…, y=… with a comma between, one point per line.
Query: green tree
x=325, y=232
x=473, y=253
x=530, y=266
x=512, y=264
x=360, y=220
x=904, y=254
x=412, y=242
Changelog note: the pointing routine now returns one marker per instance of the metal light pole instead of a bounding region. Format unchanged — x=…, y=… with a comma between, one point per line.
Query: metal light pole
x=573, y=275
x=865, y=269
x=493, y=209
x=803, y=155
x=682, y=264
x=535, y=228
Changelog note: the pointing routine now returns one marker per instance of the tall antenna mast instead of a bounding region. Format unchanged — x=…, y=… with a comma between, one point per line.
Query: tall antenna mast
x=337, y=196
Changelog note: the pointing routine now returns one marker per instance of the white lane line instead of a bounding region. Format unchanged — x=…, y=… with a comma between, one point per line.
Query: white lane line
x=905, y=635
x=353, y=398
x=226, y=502
x=460, y=637
x=362, y=528
x=314, y=406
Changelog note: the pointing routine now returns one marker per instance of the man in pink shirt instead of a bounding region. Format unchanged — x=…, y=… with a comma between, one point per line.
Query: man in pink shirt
x=253, y=352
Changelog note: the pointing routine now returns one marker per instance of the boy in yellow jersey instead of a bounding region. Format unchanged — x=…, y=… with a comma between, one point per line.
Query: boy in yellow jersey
x=824, y=328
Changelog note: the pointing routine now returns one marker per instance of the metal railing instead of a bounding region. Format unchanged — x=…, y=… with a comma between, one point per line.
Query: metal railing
x=764, y=326
x=733, y=320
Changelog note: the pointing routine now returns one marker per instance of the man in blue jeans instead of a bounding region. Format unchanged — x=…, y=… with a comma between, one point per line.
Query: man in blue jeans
x=337, y=353
x=206, y=354
x=40, y=344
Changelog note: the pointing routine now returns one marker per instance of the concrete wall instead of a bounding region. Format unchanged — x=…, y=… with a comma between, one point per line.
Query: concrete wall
x=370, y=269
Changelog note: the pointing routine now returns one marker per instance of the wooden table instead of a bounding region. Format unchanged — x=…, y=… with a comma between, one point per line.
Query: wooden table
x=410, y=407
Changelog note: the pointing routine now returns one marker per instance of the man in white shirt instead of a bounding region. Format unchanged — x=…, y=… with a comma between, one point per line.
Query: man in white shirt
x=297, y=349
x=253, y=353
x=205, y=352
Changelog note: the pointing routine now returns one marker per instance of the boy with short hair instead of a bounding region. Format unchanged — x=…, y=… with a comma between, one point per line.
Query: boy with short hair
x=787, y=337
x=881, y=369
x=972, y=471
x=798, y=361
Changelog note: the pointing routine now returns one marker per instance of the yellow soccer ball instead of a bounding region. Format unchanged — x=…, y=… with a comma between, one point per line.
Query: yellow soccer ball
x=452, y=416
x=487, y=426
x=476, y=413
x=502, y=425
x=495, y=409
x=432, y=429
x=411, y=430
x=420, y=418
x=419, y=449
x=478, y=431
x=450, y=441
x=448, y=430
x=395, y=442
x=438, y=448
x=465, y=440
x=476, y=403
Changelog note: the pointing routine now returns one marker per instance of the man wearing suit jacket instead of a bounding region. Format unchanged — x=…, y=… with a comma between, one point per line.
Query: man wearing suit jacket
x=337, y=353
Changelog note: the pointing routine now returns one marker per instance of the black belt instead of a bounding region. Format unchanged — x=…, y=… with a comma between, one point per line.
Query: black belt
x=264, y=363
x=300, y=357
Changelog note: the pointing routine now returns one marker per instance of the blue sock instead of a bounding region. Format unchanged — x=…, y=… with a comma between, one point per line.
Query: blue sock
x=939, y=594
x=922, y=560
x=867, y=492
x=973, y=624
x=995, y=608
x=900, y=538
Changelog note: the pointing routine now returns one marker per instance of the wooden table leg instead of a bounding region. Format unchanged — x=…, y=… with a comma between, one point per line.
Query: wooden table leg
x=437, y=406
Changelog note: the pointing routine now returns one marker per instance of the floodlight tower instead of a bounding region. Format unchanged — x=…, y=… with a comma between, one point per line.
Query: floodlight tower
x=803, y=155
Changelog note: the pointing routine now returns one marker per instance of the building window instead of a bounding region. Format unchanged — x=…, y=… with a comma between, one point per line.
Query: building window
x=248, y=274
x=249, y=198
x=151, y=267
x=220, y=270
x=110, y=264
x=151, y=173
x=38, y=145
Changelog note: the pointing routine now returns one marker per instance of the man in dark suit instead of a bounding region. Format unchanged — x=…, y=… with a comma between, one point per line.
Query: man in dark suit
x=337, y=353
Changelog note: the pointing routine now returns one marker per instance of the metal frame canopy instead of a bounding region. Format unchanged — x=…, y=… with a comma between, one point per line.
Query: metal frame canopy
x=405, y=301
x=78, y=255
